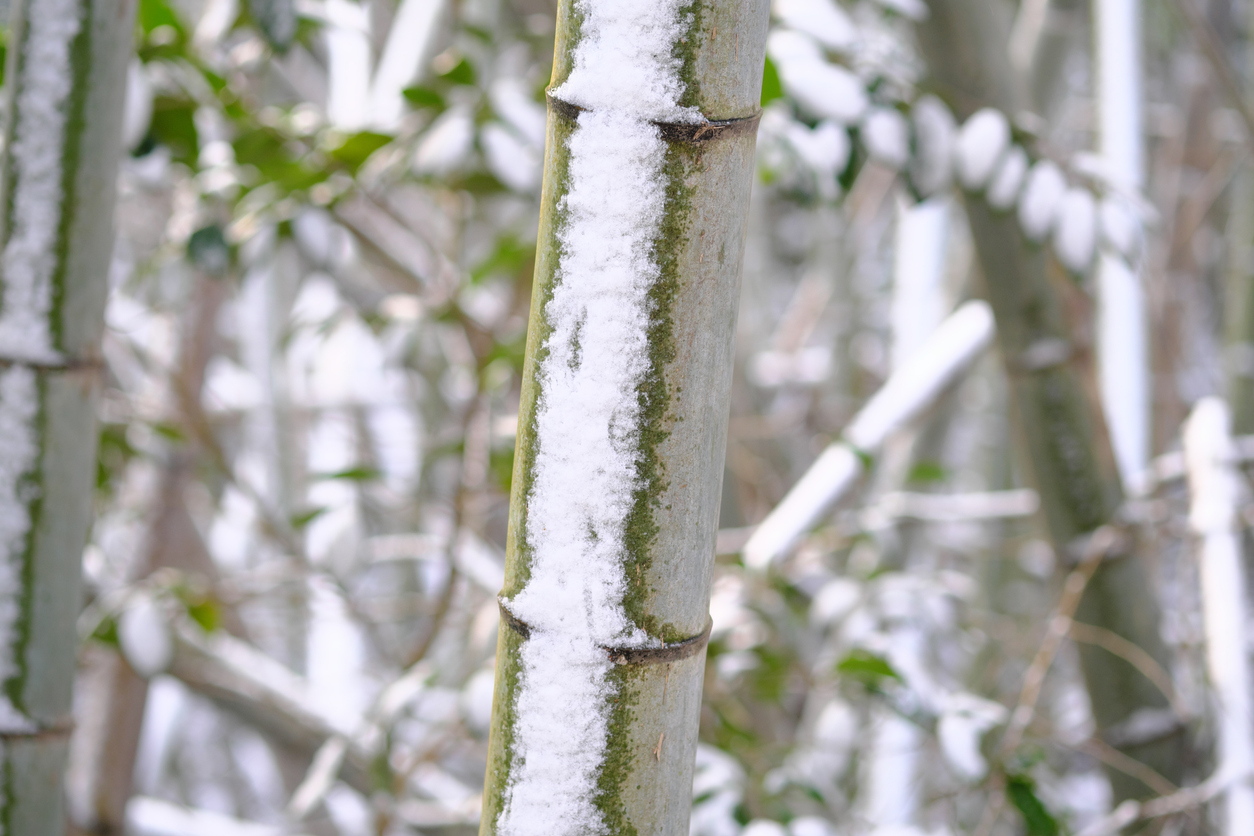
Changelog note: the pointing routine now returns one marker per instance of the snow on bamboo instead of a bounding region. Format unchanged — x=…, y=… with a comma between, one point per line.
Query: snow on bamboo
x=1215, y=486
x=929, y=370
x=19, y=453
x=29, y=260
x=587, y=419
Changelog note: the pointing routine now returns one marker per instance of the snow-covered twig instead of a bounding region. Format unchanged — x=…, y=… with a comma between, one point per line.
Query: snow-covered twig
x=1215, y=486
x=920, y=380
x=146, y=816
x=262, y=692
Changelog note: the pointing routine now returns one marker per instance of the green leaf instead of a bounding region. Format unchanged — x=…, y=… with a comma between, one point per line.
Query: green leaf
x=174, y=126
x=106, y=632
x=509, y=257
x=356, y=149
x=352, y=474
x=772, y=88
x=867, y=668
x=927, y=473
x=153, y=14
x=208, y=250
x=462, y=73
x=303, y=518
x=206, y=613
x=1022, y=795
x=501, y=465
x=420, y=96
x=113, y=453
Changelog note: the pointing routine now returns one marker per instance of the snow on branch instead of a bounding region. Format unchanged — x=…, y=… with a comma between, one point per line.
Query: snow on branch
x=915, y=386
x=1215, y=486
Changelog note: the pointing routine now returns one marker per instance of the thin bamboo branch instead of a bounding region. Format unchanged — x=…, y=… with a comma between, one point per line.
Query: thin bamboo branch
x=1214, y=484
x=909, y=391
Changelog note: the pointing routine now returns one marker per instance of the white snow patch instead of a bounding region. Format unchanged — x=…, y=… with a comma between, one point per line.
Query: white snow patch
x=510, y=100
x=764, y=827
x=1003, y=191
x=1075, y=238
x=138, y=113
x=981, y=143
x=887, y=137
x=935, y=133
x=913, y=9
x=824, y=90
x=515, y=163
x=144, y=634
x=446, y=143
x=1041, y=199
x=826, y=22
x=825, y=149
x=19, y=454
x=29, y=259
x=587, y=418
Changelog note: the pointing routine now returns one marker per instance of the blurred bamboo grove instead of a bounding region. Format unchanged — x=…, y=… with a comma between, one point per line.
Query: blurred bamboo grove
x=979, y=566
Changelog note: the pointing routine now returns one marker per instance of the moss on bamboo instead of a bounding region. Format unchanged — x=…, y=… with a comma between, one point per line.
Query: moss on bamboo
x=620, y=760
x=75, y=129
x=501, y=758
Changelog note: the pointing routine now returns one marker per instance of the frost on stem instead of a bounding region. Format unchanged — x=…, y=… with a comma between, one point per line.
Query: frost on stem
x=19, y=454
x=29, y=260
x=588, y=416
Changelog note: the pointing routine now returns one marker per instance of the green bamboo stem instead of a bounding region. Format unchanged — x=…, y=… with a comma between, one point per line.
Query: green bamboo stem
x=1061, y=433
x=644, y=781
x=66, y=69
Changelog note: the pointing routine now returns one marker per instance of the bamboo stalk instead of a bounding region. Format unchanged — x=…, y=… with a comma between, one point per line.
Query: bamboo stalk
x=66, y=81
x=1059, y=425
x=623, y=419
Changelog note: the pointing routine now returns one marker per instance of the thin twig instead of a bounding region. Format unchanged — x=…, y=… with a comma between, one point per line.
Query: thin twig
x=1100, y=543
x=1213, y=48
x=1134, y=655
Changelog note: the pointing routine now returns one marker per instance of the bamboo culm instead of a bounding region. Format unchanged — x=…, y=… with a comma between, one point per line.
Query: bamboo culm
x=66, y=77
x=1055, y=406
x=649, y=161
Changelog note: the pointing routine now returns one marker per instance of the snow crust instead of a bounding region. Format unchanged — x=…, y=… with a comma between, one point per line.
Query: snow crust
x=887, y=137
x=588, y=416
x=822, y=19
x=1039, y=203
x=1003, y=191
x=1075, y=238
x=981, y=143
x=19, y=454
x=29, y=259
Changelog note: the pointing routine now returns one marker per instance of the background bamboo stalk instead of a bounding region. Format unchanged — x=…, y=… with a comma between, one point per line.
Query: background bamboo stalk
x=1060, y=429
x=1214, y=484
